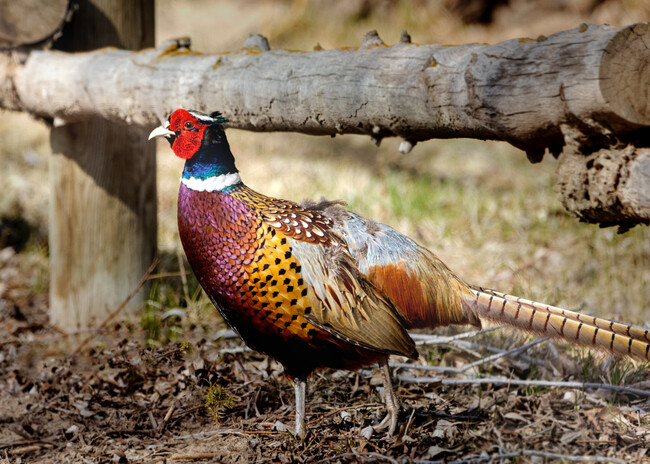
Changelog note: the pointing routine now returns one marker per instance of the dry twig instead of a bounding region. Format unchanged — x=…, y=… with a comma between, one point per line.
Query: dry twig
x=512, y=352
x=566, y=457
x=463, y=369
x=193, y=456
x=426, y=339
x=30, y=448
x=361, y=455
x=167, y=417
x=493, y=349
x=525, y=383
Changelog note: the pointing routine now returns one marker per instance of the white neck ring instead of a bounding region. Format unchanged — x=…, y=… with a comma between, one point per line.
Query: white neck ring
x=213, y=183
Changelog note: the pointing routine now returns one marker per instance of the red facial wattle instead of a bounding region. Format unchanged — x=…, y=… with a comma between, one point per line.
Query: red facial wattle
x=189, y=133
x=187, y=143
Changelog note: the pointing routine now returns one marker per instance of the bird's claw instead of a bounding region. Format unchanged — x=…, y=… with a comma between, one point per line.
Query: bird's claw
x=388, y=422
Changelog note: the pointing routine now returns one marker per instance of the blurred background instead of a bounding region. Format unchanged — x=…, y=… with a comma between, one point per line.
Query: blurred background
x=481, y=206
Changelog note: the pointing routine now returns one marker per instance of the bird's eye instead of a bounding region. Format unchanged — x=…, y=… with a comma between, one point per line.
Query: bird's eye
x=188, y=125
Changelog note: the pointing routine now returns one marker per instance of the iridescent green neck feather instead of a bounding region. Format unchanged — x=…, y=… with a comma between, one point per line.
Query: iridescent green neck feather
x=213, y=166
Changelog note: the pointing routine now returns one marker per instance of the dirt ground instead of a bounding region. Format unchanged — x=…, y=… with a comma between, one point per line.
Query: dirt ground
x=209, y=400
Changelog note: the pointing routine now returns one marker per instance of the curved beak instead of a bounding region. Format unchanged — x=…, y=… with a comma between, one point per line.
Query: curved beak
x=161, y=130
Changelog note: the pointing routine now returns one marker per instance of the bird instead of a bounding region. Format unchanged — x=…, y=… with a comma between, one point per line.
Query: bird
x=314, y=285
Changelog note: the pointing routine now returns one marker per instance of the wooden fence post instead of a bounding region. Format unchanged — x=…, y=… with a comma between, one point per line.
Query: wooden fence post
x=103, y=221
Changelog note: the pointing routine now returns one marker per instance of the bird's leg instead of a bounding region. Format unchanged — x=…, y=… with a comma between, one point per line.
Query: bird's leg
x=299, y=386
x=392, y=402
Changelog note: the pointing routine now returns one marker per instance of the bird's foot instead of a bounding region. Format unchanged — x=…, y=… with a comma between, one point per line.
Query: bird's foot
x=388, y=422
x=393, y=406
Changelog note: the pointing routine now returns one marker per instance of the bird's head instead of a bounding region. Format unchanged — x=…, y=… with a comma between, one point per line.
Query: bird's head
x=200, y=139
x=186, y=130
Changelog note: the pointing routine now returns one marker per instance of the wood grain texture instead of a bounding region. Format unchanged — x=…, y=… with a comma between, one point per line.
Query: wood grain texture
x=103, y=187
x=31, y=22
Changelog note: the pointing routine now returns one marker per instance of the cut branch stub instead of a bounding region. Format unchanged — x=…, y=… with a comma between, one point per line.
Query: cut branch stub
x=625, y=75
x=39, y=28
x=257, y=42
x=372, y=39
x=405, y=37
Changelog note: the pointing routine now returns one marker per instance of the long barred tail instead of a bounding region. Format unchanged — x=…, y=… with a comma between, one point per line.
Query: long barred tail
x=570, y=326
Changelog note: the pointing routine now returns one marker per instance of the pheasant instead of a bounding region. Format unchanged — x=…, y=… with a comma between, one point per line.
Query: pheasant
x=314, y=285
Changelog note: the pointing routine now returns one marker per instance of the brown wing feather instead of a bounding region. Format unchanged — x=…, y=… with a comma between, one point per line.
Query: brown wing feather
x=346, y=304
x=424, y=290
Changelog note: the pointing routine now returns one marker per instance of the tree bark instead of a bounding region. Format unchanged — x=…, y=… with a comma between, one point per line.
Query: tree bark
x=586, y=88
x=609, y=186
x=103, y=185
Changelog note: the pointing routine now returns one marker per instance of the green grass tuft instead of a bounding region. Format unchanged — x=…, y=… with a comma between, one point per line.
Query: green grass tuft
x=217, y=400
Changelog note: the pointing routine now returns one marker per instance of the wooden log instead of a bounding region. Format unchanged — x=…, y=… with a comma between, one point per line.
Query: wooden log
x=102, y=229
x=587, y=88
x=520, y=91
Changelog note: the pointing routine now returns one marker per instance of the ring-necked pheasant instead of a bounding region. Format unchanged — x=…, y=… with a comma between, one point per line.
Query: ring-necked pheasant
x=315, y=285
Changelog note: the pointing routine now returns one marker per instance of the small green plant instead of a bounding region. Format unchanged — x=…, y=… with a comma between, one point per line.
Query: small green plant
x=617, y=374
x=151, y=325
x=588, y=364
x=217, y=399
x=162, y=327
x=185, y=347
x=619, y=371
x=176, y=302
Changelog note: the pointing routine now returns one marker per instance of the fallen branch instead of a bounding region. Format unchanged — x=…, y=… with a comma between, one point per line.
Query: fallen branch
x=426, y=339
x=545, y=454
x=471, y=459
x=524, y=383
x=513, y=352
x=210, y=433
x=194, y=456
x=359, y=456
x=568, y=457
